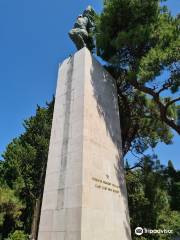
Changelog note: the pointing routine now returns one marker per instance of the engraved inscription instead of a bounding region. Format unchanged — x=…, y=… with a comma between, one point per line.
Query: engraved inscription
x=105, y=185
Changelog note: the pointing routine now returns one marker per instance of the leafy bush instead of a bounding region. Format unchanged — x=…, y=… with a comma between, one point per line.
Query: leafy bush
x=18, y=235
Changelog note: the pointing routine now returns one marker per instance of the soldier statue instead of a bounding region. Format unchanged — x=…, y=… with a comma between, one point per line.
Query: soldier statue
x=82, y=32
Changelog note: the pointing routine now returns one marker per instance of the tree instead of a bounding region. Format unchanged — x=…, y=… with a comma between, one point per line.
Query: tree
x=150, y=201
x=10, y=211
x=18, y=235
x=24, y=165
x=139, y=40
x=173, y=178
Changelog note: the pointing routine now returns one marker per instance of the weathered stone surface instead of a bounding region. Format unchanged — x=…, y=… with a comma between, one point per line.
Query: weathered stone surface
x=85, y=193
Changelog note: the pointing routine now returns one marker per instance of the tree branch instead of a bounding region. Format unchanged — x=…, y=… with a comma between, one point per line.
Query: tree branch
x=157, y=100
x=166, y=85
x=172, y=101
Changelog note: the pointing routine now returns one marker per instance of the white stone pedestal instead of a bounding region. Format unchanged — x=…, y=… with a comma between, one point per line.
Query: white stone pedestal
x=85, y=193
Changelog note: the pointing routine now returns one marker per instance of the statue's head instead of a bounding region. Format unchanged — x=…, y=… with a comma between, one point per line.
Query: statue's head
x=89, y=8
x=89, y=11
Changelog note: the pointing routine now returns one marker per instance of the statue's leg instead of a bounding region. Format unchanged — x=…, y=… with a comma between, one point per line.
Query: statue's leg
x=84, y=37
x=79, y=37
x=76, y=38
x=81, y=43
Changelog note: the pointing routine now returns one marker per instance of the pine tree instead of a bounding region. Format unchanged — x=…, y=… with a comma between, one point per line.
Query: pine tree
x=139, y=40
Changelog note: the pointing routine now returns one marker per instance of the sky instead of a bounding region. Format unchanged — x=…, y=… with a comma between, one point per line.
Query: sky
x=33, y=41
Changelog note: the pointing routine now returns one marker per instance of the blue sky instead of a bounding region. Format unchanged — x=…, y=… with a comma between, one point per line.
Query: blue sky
x=33, y=42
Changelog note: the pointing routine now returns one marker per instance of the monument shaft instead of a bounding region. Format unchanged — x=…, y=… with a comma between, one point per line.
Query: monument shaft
x=85, y=193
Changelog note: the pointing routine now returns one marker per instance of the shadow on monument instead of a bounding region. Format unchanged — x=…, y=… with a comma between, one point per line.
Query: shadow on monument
x=110, y=114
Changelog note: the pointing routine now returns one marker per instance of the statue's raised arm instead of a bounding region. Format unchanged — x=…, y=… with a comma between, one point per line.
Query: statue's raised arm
x=82, y=32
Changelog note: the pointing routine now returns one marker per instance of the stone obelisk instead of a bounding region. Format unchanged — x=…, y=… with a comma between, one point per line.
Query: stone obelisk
x=85, y=193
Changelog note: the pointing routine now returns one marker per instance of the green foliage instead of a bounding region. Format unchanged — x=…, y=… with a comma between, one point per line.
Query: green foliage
x=23, y=167
x=10, y=210
x=150, y=199
x=173, y=178
x=178, y=115
x=140, y=42
x=175, y=191
x=17, y=235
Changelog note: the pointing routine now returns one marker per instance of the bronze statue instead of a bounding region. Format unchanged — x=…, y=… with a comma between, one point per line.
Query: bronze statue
x=82, y=32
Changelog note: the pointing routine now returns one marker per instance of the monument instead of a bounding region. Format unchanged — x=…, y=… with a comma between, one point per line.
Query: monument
x=82, y=32
x=85, y=193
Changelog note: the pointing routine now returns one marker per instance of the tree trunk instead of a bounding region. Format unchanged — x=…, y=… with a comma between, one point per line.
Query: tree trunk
x=36, y=218
x=38, y=203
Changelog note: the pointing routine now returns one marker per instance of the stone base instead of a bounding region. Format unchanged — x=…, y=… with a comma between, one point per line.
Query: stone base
x=85, y=194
